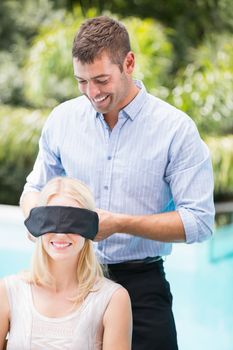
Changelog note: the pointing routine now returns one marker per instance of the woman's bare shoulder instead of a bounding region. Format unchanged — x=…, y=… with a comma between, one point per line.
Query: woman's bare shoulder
x=120, y=296
x=118, y=321
x=4, y=298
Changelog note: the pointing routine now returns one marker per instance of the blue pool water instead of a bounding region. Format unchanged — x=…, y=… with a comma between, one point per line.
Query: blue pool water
x=15, y=248
x=203, y=296
x=200, y=275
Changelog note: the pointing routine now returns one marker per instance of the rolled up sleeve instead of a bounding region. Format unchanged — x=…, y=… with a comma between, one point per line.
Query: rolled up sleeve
x=190, y=177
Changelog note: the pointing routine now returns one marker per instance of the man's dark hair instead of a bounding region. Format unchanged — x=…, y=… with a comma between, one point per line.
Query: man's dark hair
x=101, y=34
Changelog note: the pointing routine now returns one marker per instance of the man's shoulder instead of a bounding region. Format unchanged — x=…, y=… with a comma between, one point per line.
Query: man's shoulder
x=164, y=111
x=161, y=104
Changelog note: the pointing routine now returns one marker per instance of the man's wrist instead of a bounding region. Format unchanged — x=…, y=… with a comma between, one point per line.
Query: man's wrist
x=121, y=221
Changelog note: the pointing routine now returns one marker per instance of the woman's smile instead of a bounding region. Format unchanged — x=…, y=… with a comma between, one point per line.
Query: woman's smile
x=60, y=245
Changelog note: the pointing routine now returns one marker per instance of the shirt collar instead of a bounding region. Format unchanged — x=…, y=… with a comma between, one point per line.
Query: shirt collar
x=134, y=107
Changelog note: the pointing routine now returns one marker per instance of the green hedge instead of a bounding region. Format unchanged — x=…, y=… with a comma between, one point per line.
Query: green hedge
x=204, y=88
x=19, y=133
x=221, y=149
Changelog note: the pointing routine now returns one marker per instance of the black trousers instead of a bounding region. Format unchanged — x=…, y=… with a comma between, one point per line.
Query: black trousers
x=153, y=321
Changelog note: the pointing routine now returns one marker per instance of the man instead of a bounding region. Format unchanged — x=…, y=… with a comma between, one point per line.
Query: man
x=145, y=162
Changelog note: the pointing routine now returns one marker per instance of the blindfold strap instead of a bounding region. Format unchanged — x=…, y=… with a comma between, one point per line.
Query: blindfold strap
x=62, y=219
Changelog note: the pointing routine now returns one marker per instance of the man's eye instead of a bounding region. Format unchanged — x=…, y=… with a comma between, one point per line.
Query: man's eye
x=82, y=81
x=102, y=81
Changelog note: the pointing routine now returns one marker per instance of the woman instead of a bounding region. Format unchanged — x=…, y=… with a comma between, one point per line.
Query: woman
x=64, y=302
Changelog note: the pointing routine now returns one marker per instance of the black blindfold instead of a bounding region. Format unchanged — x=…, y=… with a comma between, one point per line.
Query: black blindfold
x=62, y=219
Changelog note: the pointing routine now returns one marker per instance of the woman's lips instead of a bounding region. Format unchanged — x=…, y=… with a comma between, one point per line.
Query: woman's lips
x=60, y=245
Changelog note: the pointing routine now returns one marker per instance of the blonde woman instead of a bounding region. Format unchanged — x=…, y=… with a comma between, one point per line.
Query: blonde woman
x=64, y=302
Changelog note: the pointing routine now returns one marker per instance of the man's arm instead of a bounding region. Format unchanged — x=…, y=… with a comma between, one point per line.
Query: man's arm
x=47, y=165
x=190, y=178
x=165, y=227
x=28, y=201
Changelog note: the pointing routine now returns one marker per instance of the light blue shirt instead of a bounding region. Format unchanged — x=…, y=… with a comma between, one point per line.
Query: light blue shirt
x=152, y=161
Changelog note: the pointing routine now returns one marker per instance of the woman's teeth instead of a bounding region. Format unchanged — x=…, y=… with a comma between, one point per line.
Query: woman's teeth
x=60, y=245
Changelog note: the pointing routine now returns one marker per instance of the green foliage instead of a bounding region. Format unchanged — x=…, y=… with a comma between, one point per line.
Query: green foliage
x=11, y=81
x=221, y=149
x=19, y=133
x=48, y=71
x=210, y=14
x=20, y=21
x=191, y=21
x=153, y=51
x=204, y=89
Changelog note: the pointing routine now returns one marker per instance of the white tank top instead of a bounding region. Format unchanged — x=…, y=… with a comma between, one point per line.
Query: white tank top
x=80, y=330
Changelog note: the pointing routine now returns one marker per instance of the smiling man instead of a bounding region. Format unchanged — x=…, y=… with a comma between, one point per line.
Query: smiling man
x=146, y=164
x=106, y=81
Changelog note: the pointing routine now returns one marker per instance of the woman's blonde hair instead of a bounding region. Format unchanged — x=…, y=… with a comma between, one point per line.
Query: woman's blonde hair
x=88, y=267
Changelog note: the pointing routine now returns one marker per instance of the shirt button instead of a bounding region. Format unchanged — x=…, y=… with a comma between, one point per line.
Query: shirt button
x=109, y=157
x=106, y=187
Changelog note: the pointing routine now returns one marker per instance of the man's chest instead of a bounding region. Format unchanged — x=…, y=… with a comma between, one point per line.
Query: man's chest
x=123, y=163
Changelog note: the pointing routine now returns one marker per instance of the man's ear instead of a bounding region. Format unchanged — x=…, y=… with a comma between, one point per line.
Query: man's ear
x=129, y=62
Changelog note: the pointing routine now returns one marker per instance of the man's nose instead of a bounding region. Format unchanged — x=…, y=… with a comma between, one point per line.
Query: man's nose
x=92, y=90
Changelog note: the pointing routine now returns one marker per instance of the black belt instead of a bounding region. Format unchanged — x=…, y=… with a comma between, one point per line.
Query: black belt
x=134, y=263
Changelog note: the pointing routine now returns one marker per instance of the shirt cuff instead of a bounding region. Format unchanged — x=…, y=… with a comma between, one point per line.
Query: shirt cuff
x=190, y=225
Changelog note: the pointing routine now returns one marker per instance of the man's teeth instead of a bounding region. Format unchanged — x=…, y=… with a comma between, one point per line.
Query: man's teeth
x=100, y=99
x=60, y=245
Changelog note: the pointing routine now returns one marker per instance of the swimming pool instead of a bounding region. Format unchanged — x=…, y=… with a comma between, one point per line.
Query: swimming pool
x=15, y=247
x=200, y=275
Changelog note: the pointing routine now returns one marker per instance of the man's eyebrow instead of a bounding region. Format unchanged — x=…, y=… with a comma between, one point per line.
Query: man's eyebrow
x=96, y=77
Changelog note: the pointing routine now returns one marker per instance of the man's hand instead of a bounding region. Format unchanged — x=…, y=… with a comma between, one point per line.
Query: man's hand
x=27, y=202
x=164, y=227
x=108, y=224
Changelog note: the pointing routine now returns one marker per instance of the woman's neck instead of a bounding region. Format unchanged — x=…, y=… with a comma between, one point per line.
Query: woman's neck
x=64, y=274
